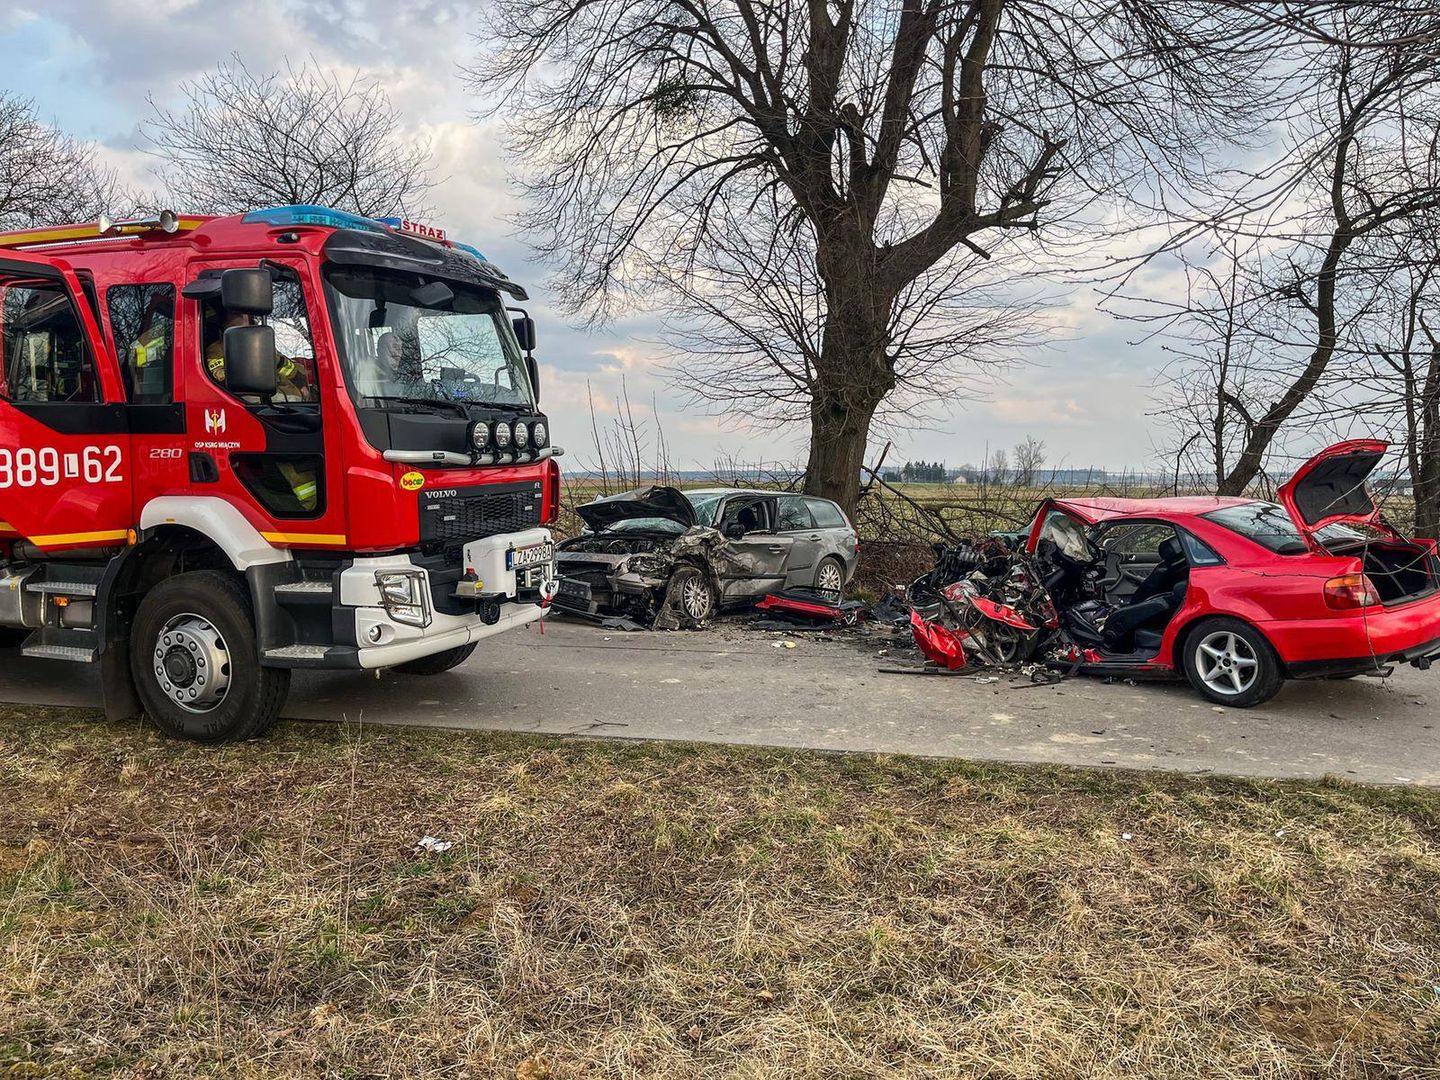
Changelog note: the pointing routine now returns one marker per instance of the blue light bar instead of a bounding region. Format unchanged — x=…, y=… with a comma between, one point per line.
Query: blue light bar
x=312, y=215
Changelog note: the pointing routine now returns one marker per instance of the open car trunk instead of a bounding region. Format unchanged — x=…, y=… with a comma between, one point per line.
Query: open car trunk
x=1400, y=571
x=1332, y=489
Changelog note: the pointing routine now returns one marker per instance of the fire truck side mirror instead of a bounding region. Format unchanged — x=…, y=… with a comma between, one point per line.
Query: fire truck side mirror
x=525, y=332
x=247, y=291
x=534, y=369
x=250, y=360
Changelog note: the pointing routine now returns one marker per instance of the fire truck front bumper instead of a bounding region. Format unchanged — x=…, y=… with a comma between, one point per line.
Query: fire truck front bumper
x=404, y=609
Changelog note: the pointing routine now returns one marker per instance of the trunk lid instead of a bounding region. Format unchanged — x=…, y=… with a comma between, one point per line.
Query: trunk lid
x=1331, y=489
x=653, y=502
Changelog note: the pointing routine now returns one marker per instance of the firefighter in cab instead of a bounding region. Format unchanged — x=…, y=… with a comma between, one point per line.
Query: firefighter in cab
x=291, y=385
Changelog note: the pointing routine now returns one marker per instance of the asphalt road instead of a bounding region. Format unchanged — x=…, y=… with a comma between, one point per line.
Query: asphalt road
x=736, y=686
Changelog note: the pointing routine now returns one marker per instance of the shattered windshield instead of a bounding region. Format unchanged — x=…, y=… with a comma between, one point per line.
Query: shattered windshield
x=705, y=508
x=408, y=339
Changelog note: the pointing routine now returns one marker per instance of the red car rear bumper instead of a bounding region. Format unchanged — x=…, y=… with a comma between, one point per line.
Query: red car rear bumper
x=1346, y=644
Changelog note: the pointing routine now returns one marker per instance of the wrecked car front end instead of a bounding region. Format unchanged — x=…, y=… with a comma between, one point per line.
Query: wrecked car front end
x=626, y=565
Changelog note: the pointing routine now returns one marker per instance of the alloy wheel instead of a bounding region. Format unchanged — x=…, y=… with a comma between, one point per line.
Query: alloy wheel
x=830, y=579
x=192, y=663
x=1226, y=662
x=695, y=597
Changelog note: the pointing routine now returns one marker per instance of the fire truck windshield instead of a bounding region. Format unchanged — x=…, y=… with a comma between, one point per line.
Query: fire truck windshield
x=413, y=340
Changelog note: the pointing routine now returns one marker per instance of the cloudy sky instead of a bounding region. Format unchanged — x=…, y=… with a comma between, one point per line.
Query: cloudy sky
x=90, y=65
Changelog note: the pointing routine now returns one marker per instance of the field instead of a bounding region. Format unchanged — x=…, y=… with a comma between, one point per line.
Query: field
x=623, y=910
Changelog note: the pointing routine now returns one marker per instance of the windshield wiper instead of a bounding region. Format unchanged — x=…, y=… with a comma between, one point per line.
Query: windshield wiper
x=437, y=403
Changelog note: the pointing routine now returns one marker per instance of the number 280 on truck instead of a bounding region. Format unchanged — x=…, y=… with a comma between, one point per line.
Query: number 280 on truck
x=235, y=446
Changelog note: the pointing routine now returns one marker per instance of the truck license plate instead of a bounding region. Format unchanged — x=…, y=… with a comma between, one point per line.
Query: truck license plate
x=535, y=555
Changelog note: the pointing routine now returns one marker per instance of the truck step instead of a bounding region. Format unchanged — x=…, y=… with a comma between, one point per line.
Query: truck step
x=323, y=587
x=62, y=588
x=73, y=653
x=312, y=656
x=297, y=652
x=305, y=593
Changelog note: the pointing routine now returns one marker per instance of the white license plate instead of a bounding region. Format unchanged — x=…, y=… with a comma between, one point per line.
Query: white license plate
x=536, y=555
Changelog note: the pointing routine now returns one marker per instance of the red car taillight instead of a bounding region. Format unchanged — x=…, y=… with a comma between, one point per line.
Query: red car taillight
x=1349, y=591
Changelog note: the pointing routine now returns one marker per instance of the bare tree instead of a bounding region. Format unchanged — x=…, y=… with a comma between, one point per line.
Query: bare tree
x=889, y=139
x=998, y=469
x=46, y=177
x=1299, y=272
x=1029, y=458
x=298, y=136
x=751, y=310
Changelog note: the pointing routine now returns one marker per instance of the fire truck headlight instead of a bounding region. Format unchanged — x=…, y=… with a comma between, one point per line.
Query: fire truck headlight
x=404, y=596
x=539, y=434
x=522, y=436
x=480, y=435
x=502, y=434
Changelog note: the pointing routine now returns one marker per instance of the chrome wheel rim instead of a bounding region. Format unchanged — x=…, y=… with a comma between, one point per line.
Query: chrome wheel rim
x=695, y=597
x=192, y=663
x=1227, y=663
x=830, y=578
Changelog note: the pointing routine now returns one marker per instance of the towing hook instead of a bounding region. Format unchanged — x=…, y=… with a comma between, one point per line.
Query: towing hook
x=1423, y=662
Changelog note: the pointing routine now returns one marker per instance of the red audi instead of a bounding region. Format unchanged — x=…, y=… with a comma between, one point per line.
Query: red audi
x=1241, y=594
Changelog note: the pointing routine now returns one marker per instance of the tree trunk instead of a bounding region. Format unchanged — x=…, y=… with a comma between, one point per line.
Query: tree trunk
x=852, y=373
x=839, y=433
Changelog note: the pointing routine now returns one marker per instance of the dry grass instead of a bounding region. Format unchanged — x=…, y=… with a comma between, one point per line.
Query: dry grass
x=617, y=910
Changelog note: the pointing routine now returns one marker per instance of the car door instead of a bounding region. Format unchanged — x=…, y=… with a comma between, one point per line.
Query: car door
x=66, y=469
x=796, y=522
x=752, y=564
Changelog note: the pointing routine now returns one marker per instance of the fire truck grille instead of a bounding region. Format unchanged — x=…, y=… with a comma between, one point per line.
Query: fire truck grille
x=452, y=517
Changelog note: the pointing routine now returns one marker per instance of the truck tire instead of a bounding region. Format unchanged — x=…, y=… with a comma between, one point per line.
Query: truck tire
x=435, y=663
x=195, y=661
x=1230, y=663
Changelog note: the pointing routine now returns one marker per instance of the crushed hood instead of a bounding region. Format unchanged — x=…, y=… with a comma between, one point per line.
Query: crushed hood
x=1331, y=487
x=661, y=502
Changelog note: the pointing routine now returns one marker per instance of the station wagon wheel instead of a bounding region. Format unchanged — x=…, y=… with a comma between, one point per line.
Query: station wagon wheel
x=691, y=595
x=1230, y=663
x=830, y=577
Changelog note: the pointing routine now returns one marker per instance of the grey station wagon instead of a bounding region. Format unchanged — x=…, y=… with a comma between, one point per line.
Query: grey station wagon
x=677, y=557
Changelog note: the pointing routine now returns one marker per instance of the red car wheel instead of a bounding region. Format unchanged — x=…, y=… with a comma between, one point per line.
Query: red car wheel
x=1230, y=663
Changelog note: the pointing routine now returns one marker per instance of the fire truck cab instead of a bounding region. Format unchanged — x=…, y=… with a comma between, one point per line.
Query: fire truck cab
x=231, y=447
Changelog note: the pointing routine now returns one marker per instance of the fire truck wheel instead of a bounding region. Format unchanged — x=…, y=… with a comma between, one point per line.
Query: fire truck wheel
x=194, y=658
x=435, y=663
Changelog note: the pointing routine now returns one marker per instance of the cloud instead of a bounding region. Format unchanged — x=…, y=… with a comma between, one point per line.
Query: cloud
x=1038, y=410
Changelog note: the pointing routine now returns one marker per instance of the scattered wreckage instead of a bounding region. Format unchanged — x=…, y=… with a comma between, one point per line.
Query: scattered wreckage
x=670, y=559
x=1235, y=594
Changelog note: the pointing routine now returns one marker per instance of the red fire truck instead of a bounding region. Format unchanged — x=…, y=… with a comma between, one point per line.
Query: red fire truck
x=231, y=447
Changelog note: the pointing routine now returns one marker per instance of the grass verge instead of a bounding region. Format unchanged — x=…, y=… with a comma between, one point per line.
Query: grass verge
x=625, y=910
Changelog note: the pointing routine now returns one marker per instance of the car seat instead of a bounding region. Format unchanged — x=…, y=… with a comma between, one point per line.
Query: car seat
x=1152, y=604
